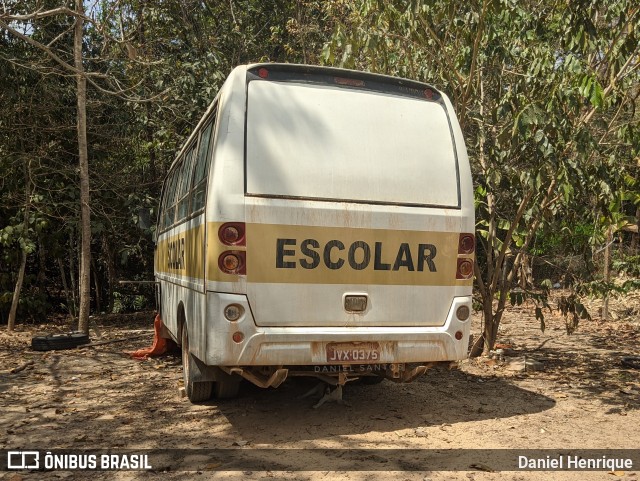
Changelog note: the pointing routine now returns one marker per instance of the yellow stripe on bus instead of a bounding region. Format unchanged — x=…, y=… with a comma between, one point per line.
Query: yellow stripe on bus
x=338, y=255
x=182, y=254
x=319, y=255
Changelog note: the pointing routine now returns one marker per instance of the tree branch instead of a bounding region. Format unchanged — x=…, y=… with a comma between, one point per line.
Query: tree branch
x=479, y=281
x=437, y=39
x=588, y=115
x=75, y=71
x=507, y=240
x=474, y=55
x=42, y=14
x=45, y=49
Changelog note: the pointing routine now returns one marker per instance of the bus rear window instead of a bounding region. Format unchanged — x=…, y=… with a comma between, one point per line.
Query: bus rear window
x=333, y=143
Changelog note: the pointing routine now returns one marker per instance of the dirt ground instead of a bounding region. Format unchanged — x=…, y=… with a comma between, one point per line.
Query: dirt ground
x=98, y=398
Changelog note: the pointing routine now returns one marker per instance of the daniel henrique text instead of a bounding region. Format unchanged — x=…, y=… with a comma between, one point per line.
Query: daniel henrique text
x=574, y=462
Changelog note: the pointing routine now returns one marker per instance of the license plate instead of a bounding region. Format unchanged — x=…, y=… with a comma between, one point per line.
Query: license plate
x=345, y=352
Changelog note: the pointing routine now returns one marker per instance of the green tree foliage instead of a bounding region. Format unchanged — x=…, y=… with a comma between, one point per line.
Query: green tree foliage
x=36, y=119
x=152, y=70
x=546, y=93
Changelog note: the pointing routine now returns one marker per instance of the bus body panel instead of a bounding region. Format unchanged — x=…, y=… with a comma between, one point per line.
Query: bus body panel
x=305, y=346
x=408, y=277
x=292, y=312
x=350, y=192
x=327, y=142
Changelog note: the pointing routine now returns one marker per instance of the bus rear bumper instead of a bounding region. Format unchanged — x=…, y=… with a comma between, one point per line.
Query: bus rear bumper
x=311, y=346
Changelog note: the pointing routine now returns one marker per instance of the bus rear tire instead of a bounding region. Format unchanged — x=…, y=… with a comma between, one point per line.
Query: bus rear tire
x=197, y=391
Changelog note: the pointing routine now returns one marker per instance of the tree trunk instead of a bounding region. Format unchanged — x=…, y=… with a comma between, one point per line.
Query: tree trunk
x=71, y=305
x=73, y=273
x=483, y=343
x=111, y=272
x=607, y=272
x=96, y=285
x=42, y=269
x=149, y=131
x=16, y=293
x=85, y=213
x=11, y=324
x=635, y=237
x=491, y=323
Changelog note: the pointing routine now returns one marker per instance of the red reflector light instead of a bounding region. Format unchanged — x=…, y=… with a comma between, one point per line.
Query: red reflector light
x=459, y=335
x=465, y=269
x=232, y=262
x=263, y=73
x=232, y=233
x=349, y=81
x=466, y=244
x=237, y=337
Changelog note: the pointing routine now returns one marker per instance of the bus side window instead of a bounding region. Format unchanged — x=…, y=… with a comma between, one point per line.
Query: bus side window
x=183, y=185
x=169, y=200
x=201, y=167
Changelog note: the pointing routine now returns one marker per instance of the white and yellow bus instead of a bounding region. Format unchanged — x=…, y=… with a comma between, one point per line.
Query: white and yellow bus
x=317, y=222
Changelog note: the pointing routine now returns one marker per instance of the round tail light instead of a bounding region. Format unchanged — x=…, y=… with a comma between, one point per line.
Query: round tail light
x=233, y=262
x=465, y=269
x=233, y=312
x=230, y=234
x=230, y=262
x=467, y=244
x=462, y=313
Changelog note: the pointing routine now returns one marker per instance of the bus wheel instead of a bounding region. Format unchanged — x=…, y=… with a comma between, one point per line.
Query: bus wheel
x=196, y=391
x=226, y=385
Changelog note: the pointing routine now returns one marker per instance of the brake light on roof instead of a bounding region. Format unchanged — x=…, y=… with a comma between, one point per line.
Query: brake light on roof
x=263, y=73
x=351, y=82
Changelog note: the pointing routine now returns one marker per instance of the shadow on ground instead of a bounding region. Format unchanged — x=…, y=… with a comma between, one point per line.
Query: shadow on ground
x=592, y=365
x=440, y=398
